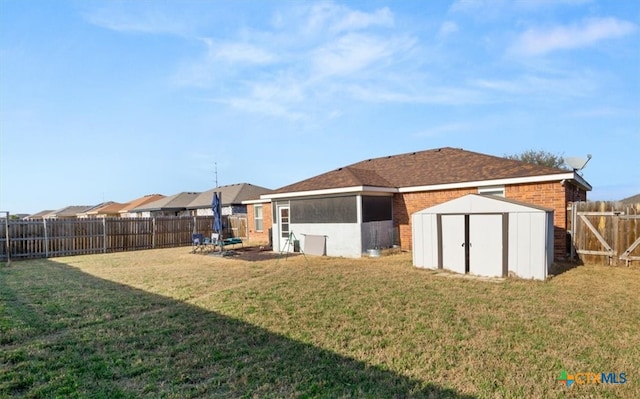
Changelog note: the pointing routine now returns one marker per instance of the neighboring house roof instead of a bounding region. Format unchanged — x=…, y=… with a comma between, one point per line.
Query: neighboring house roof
x=140, y=201
x=69, y=211
x=437, y=167
x=40, y=214
x=176, y=202
x=108, y=208
x=231, y=194
x=634, y=199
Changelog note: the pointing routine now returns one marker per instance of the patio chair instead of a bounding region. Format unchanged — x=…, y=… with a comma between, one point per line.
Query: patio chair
x=215, y=241
x=197, y=242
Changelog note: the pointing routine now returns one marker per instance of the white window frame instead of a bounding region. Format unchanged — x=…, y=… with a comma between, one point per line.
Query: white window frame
x=257, y=218
x=492, y=190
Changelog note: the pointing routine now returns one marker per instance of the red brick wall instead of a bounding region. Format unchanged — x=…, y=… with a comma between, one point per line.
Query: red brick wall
x=404, y=205
x=267, y=221
x=549, y=194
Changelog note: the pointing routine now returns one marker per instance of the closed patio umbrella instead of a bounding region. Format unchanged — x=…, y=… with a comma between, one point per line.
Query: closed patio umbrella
x=217, y=213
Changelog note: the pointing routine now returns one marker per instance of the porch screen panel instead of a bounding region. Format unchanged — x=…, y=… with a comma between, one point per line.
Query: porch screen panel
x=324, y=210
x=376, y=208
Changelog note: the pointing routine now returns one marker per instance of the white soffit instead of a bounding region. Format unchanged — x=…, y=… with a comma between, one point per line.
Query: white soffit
x=517, y=180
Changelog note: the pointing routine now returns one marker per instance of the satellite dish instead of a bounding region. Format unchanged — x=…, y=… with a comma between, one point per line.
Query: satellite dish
x=577, y=163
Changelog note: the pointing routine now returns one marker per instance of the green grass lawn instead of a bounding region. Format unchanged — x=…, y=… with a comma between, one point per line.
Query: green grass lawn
x=167, y=323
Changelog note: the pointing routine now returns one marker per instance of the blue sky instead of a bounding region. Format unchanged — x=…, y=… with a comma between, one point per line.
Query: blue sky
x=112, y=100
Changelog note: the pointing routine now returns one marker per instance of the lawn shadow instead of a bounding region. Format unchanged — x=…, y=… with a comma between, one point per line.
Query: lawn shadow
x=558, y=268
x=68, y=333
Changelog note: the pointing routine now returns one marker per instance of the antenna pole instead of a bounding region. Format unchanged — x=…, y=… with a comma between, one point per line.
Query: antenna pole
x=215, y=165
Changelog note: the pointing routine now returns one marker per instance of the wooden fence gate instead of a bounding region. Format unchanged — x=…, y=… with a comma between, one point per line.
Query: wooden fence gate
x=237, y=226
x=605, y=232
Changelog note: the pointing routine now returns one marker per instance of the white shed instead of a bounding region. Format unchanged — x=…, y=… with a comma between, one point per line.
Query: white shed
x=485, y=236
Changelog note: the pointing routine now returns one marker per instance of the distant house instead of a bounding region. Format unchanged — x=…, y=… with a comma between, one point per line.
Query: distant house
x=69, y=212
x=234, y=208
x=233, y=196
x=174, y=205
x=634, y=199
x=369, y=204
x=125, y=211
x=106, y=209
x=39, y=215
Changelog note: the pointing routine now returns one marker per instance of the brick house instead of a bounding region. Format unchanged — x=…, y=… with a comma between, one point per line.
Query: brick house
x=370, y=203
x=259, y=220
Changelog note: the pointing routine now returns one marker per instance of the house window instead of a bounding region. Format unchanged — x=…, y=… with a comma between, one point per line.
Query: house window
x=377, y=208
x=257, y=217
x=325, y=210
x=492, y=190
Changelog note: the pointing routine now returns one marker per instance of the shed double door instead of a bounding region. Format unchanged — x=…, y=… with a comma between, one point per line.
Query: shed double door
x=473, y=244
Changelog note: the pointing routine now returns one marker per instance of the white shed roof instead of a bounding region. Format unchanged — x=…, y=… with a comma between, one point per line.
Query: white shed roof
x=475, y=203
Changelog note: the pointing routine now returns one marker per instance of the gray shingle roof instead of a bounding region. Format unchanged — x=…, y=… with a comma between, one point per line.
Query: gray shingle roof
x=139, y=202
x=634, y=199
x=232, y=194
x=172, y=203
x=41, y=214
x=69, y=211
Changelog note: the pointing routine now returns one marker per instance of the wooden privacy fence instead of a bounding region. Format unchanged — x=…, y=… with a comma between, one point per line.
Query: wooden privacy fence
x=50, y=238
x=605, y=232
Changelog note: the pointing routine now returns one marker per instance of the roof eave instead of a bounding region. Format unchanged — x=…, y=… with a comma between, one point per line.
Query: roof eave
x=161, y=209
x=330, y=191
x=581, y=182
x=256, y=201
x=577, y=179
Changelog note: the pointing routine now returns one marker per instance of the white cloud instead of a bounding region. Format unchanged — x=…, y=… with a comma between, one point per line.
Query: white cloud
x=574, y=84
x=475, y=5
x=221, y=59
x=508, y=6
x=448, y=28
x=281, y=90
x=313, y=60
x=590, y=31
x=424, y=95
x=603, y=112
x=355, y=52
x=337, y=18
x=270, y=108
x=239, y=53
x=356, y=20
x=136, y=19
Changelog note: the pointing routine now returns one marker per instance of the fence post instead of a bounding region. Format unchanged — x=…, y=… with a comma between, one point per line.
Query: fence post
x=616, y=237
x=46, y=238
x=104, y=235
x=574, y=210
x=153, y=232
x=7, y=238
